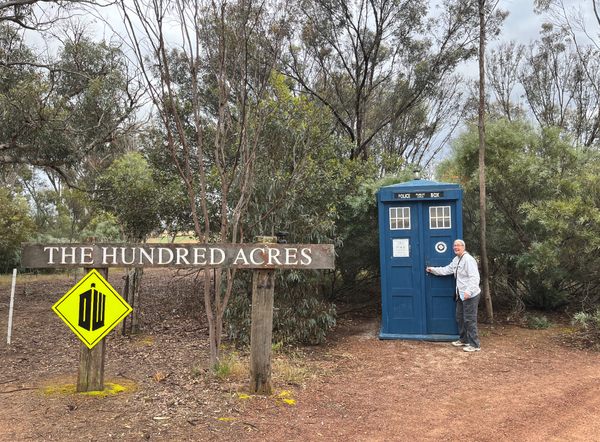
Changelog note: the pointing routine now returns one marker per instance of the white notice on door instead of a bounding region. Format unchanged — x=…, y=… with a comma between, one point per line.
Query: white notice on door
x=400, y=248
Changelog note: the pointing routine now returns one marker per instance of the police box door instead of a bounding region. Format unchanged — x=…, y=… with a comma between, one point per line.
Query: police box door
x=419, y=233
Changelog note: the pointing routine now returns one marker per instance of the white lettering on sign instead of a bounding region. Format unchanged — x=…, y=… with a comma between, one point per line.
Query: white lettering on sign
x=87, y=255
x=306, y=254
x=213, y=256
x=51, y=251
x=67, y=256
x=255, y=262
x=435, y=195
x=148, y=255
x=161, y=256
x=182, y=256
x=199, y=256
x=106, y=256
x=273, y=257
x=291, y=256
x=240, y=258
x=403, y=195
x=124, y=257
x=185, y=255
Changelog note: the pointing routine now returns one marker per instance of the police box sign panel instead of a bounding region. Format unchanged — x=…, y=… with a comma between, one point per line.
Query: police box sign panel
x=248, y=256
x=417, y=195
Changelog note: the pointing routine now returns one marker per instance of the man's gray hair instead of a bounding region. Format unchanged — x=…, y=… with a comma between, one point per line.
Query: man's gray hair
x=460, y=241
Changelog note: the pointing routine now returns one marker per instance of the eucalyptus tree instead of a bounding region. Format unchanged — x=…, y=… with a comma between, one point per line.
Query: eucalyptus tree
x=580, y=25
x=40, y=15
x=544, y=217
x=559, y=79
x=64, y=117
x=378, y=65
x=207, y=65
x=129, y=190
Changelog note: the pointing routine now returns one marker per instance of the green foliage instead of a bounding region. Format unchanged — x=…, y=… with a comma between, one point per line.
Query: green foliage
x=543, y=212
x=538, y=322
x=299, y=315
x=358, y=231
x=230, y=365
x=131, y=194
x=588, y=326
x=16, y=226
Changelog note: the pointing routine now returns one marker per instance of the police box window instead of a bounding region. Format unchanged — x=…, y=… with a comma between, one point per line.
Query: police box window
x=399, y=218
x=439, y=217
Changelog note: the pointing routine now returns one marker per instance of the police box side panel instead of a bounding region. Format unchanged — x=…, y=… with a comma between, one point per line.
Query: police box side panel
x=400, y=258
x=383, y=238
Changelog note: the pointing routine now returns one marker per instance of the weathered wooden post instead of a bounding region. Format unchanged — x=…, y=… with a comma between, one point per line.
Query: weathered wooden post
x=90, y=376
x=261, y=331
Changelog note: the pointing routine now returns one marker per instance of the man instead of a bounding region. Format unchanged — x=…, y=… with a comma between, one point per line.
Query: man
x=464, y=268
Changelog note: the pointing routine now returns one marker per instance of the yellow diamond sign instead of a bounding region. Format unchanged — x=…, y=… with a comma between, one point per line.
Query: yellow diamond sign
x=92, y=308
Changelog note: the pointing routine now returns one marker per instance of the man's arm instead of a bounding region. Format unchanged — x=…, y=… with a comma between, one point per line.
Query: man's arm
x=442, y=271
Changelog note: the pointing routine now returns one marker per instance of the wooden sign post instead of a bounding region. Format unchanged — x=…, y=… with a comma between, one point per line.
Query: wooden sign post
x=261, y=331
x=263, y=257
x=90, y=376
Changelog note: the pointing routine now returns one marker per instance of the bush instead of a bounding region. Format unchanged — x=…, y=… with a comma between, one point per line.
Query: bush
x=16, y=226
x=538, y=322
x=588, y=328
x=300, y=316
x=543, y=225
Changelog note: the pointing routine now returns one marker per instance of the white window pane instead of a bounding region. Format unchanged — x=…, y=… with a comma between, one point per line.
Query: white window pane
x=399, y=218
x=439, y=217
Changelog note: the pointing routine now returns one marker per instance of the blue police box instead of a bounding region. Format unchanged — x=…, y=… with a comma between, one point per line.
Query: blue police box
x=418, y=223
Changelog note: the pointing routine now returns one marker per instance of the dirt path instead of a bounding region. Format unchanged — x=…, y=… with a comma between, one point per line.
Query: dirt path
x=525, y=385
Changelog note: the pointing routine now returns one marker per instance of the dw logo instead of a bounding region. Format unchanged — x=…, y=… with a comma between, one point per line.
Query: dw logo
x=92, y=309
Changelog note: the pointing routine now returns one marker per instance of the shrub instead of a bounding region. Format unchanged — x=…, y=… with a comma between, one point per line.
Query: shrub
x=538, y=322
x=588, y=328
x=299, y=314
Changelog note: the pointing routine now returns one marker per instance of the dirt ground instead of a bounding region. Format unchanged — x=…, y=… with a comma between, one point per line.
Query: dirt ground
x=526, y=385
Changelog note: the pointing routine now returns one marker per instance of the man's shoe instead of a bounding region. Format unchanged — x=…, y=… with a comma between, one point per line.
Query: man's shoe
x=471, y=349
x=459, y=343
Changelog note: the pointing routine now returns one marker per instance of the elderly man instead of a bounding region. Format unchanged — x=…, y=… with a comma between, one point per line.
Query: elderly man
x=464, y=268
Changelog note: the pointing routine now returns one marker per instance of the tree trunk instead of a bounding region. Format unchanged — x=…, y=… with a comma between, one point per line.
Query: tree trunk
x=482, y=196
x=210, y=316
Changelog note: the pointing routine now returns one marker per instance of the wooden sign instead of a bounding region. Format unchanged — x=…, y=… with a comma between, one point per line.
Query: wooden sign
x=243, y=256
x=264, y=257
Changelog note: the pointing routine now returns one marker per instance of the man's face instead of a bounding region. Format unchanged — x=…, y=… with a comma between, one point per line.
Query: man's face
x=459, y=249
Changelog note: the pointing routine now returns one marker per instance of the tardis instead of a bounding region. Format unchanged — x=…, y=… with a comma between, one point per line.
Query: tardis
x=418, y=223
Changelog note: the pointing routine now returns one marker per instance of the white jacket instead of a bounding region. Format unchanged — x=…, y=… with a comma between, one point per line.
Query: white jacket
x=466, y=273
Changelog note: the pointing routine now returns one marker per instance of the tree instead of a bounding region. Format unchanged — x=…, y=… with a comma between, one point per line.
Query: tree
x=560, y=80
x=582, y=53
x=483, y=9
x=128, y=190
x=40, y=14
x=63, y=121
x=543, y=213
x=16, y=226
x=209, y=90
x=369, y=63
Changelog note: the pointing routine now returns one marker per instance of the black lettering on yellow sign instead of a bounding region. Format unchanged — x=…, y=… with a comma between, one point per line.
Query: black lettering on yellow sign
x=92, y=309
